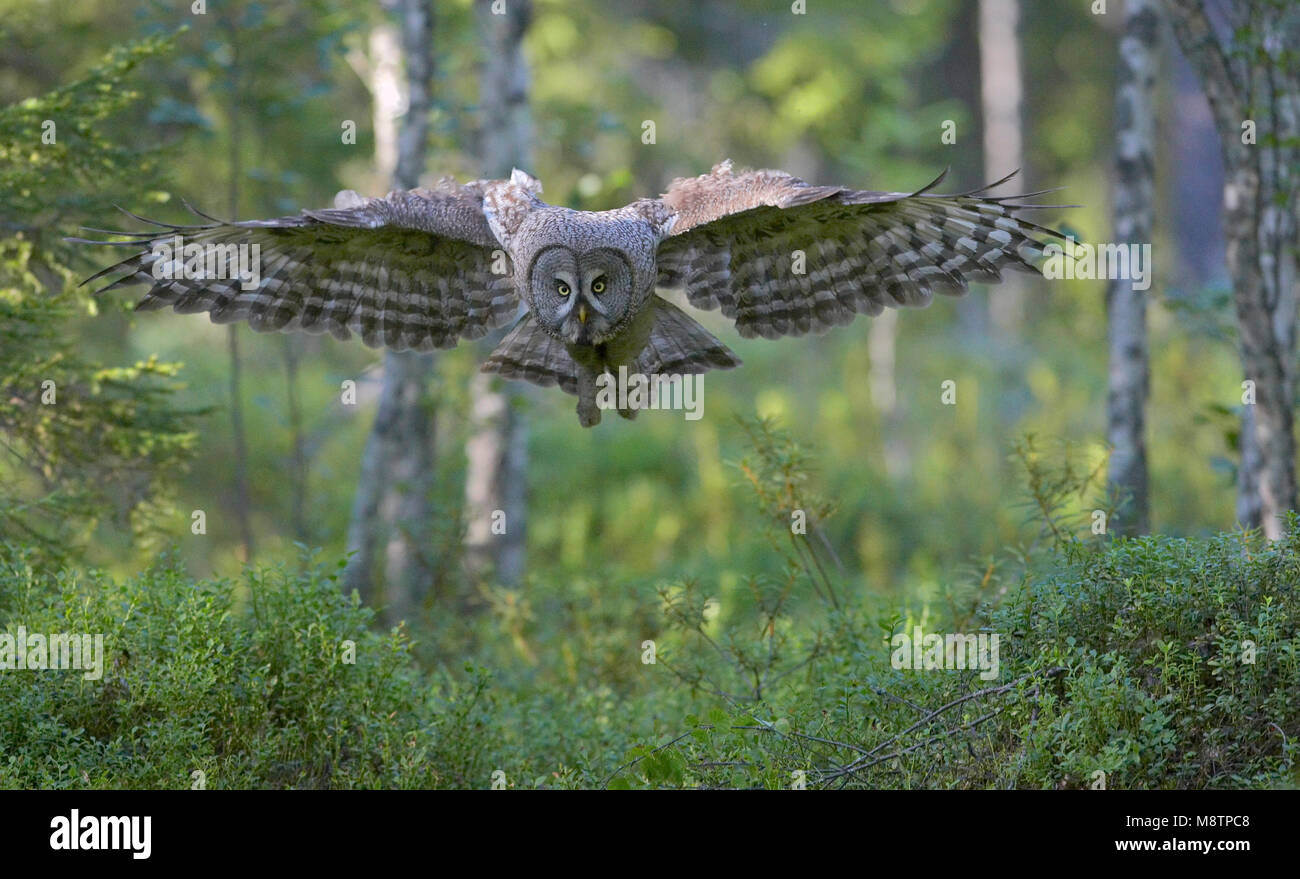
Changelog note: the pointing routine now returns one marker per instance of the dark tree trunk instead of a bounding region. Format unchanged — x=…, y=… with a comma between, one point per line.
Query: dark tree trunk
x=1246, y=66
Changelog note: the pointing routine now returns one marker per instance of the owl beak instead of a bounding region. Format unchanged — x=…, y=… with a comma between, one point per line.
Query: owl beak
x=582, y=313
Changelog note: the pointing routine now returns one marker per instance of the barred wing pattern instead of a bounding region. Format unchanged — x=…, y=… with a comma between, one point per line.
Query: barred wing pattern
x=531, y=354
x=734, y=242
x=413, y=270
x=677, y=345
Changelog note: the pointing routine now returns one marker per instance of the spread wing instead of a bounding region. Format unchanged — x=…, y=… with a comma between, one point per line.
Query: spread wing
x=418, y=269
x=783, y=258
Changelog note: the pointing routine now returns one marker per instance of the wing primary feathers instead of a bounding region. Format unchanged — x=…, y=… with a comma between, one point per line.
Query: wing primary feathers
x=141, y=236
x=936, y=181
x=412, y=270
x=102, y=272
x=988, y=186
x=158, y=223
x=860, y=251
x=198, y=213
x=1005, y=199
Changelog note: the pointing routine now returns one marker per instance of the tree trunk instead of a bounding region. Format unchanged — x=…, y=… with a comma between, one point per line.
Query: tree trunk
x=882, y=354
x=393, y=504
x=298, y=458
x=497, y=450
x=243, y=506
x=1126, y=307
x=1266, y=331
x=1251, y=83
x=1001, y=88
x=1195, y=163
x=1249, y=509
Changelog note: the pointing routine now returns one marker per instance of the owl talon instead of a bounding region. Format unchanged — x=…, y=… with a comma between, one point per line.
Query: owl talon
x=589, y=414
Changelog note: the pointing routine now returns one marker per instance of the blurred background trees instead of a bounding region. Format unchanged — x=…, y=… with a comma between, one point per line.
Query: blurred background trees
x=496, y=455
x=393, y=511
x=255, y=117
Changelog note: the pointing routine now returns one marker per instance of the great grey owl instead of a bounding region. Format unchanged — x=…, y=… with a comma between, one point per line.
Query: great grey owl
x=424, y=268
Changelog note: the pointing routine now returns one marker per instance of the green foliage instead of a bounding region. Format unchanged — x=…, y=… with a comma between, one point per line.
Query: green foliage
x=247, y=682
x=1181, y=659
x=83, y=442
x=850, y=93
x=1148, y=663
x=55, y=158
x=1157, y=662
x=772, y=646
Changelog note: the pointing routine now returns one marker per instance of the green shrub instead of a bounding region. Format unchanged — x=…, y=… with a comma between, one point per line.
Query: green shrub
x=1156, y=662
x=1131, y=663
x=1181, y=658
x=246, y=682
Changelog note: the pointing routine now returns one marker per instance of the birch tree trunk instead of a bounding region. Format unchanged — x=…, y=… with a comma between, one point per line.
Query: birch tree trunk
x=1246, y=64
x=1001, y=91
x=497, y=450
x=1126, y=307
x=882, y=336
x=393, y=511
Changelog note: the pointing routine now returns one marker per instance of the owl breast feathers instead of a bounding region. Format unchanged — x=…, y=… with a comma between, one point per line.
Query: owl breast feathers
x=425, y=268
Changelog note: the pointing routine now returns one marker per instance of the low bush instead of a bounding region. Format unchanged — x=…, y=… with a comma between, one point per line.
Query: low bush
x=1156, y=662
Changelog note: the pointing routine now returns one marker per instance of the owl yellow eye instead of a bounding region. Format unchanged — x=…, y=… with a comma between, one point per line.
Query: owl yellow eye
x=598, y=286
x=563, y=289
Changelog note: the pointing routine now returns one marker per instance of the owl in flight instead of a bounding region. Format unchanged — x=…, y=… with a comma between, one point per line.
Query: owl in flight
x=425, y=268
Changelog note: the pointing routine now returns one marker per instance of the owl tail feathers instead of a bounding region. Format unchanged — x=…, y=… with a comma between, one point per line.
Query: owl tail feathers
x=530, y=353
x=677, y=345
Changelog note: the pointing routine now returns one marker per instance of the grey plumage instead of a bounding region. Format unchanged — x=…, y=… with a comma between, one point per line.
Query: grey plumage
x=425, y=268
x=531, y=354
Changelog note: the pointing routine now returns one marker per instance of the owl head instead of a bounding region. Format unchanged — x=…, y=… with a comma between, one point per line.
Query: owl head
x=583, y=296
x=585, y=275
